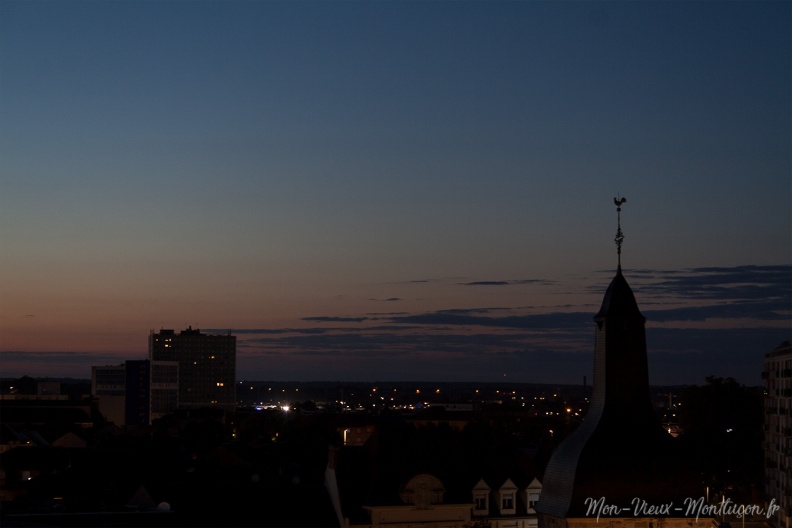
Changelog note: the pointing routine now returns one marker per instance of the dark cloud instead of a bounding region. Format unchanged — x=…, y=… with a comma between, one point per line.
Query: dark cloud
x=484, y=310
x=276, y=331
x=506, y=282
x=365, y=344
x=739, y=282
x=336, y=319
x=534, y=321
x=309, y=331
x=59, y=357
x=389, y=299
x=773, y=310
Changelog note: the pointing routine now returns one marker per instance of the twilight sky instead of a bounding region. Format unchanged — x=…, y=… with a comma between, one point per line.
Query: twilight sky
x=394, y=190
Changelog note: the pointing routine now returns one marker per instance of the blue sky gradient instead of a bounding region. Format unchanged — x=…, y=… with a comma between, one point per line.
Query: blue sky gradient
x=274, y=165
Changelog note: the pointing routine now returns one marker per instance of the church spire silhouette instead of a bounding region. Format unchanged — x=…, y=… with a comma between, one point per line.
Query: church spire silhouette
x=620, y=450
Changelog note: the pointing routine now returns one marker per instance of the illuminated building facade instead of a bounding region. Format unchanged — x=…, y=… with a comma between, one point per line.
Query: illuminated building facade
x=207, y=366
x=778, y=432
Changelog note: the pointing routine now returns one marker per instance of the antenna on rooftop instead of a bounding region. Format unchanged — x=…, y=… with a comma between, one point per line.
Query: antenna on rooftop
x=619, y=235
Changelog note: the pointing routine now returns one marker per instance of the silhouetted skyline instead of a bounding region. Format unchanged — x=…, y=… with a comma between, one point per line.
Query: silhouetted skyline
x=394, y=190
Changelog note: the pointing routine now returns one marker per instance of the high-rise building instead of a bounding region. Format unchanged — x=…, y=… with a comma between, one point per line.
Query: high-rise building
x=619, y=457
x=207, y=366
x=137, y=391
x=778, y=432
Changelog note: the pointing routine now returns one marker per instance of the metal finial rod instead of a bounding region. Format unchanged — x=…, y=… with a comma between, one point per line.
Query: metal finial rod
x=619, y=235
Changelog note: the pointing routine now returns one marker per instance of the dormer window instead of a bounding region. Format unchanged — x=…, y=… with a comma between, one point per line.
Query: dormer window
x=507, y=497
x=531, y=495
x=481, y=493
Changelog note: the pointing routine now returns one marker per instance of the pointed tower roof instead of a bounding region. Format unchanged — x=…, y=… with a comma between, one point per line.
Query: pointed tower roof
x=619, y=300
